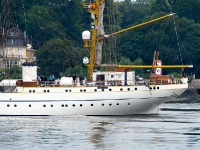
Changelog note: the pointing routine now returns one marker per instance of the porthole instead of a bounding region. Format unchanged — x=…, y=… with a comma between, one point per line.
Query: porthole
x=92, y=105
x=51, y=105
x=84, y=90
x=102, y=89
x=117, y=103
x=102, y=104
x=33, y=91
x=129, y=104
x=29, y=105
x=135, y=88
x=157, y=87
x=62, y=105
x=15, y=105
x=80, y=90
x=44, y=105
x=81, y=105
x=95, y=90
x=66, y=105
x=66, y=90
x=150, y=88
x=48, y=91
x=70, y=90
x=128, y=89
x=110, y=104
x=154, y=87
x=110, y=89
x=8, y=105
x=44, y=91
x=29, y=91
x=73, y=105
x=121, y=89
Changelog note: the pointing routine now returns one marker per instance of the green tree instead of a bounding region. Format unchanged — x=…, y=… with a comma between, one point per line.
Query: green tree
x=56, y=56
x=14, y=72
x=47, y=20
x=43, y=25
x=189, y=9
x=125, y=61
x=139, y=61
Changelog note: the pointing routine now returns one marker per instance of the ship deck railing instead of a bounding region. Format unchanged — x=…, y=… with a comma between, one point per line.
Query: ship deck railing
x=165, y=82
x=110, y=83
x=46, y=83
x=9, y=87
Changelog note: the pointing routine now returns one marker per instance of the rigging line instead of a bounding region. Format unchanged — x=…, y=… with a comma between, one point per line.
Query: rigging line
x=13, y=16
x=153, y=40
x=163, y=33
x=24, y=16
x=8, y=15
x=175, y=28
x=110, y=40
x=112, y=29
x=177, y=39
x=15, y=12
x=115, y=37
x=19, y=46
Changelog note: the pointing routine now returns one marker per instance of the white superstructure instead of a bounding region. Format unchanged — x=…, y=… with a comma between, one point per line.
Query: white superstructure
x=112, y=93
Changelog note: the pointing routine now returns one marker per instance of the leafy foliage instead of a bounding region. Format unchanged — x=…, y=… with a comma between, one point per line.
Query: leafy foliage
x=56, y=56
x=189, y=9
x=14, y=72
x=55, y=30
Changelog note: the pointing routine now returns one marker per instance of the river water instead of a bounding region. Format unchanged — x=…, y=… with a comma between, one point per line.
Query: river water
x=176, y=127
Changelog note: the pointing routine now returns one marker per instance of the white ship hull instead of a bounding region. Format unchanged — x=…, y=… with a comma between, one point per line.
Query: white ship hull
x=114, y=100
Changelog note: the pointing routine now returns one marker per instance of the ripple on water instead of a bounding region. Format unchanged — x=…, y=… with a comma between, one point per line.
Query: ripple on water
x=176, y=127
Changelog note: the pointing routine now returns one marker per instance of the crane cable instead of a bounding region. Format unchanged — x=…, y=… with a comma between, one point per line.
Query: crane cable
x=177, y=36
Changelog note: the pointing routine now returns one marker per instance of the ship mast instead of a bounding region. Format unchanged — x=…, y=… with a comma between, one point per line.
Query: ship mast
x=95, y=43
x=95, y=47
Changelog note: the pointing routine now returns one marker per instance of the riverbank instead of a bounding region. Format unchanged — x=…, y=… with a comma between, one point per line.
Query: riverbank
x=191, y=95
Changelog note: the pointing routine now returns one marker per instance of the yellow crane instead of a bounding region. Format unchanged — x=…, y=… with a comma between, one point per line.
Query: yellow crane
x=93, y=8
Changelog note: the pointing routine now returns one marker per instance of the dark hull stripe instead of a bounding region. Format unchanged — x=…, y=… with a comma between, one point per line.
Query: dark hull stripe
x=77, y=100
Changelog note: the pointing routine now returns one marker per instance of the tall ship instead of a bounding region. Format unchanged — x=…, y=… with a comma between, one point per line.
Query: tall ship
x=115, y=91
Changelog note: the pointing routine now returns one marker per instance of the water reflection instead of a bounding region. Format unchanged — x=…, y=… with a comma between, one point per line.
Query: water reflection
x=175, y=129
x=97, y=134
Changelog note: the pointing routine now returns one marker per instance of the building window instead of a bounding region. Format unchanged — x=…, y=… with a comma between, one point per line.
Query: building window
x=9, y=52
x=8, y=63
x=14, y=33
x=1, y=52
x=9, y=41
x=20, y=53
x=11, y=63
